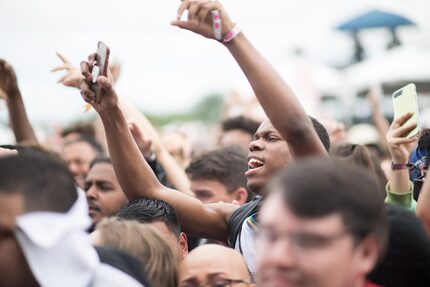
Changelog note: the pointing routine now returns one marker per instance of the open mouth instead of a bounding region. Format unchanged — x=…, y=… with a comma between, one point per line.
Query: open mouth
x=255, y=163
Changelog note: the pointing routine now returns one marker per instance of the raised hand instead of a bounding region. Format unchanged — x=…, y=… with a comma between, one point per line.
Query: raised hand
x=374, y=100
x=200, y=18
x=378, y=117
x=73, y=74
x=144, y=142
x=19, y=121
x=107, y=98
x=8, y=81
x=399, y=145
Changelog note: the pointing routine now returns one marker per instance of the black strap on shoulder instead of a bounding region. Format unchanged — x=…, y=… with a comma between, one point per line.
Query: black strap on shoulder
x=237, y=218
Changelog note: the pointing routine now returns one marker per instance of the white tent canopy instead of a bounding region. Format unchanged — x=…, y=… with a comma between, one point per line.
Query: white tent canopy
x=398, y=65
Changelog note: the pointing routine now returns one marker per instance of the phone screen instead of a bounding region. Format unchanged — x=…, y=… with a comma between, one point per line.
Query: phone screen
x=405, y=101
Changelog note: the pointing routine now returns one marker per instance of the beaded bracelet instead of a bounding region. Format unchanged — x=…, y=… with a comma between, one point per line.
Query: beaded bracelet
x=400, y=166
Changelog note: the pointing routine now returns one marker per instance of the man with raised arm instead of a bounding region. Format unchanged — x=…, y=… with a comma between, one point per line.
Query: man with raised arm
x=19, y=122
x=292, y=135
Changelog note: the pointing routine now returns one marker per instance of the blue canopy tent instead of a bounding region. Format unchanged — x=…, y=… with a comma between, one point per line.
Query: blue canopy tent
x=374, y=19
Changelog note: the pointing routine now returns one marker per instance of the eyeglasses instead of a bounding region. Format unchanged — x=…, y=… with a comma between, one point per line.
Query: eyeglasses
x=300, y=242
x=217, y=283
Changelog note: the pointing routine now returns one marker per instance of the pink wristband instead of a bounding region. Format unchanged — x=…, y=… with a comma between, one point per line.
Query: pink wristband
x=399, y=166
x=232, y=34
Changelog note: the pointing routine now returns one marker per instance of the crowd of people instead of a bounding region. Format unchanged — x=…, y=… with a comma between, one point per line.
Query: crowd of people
x=283, y=202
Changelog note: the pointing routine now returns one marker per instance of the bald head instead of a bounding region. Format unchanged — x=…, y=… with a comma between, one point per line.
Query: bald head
x=212, y=262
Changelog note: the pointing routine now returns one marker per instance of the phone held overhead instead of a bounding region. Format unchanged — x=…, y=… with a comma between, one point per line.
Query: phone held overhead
x=405, y=101
x=100, y=67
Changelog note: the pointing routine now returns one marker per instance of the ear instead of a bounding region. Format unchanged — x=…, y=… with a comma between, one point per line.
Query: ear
x=240, y=196
x=183, y=242
x=368, y=252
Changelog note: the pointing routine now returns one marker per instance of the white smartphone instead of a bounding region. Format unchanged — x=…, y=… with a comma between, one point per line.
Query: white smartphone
x=405, y=101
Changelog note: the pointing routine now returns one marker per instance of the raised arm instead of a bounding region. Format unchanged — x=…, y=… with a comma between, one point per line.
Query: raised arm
x=148, y=141
x=22, y=129
x=381, y=123
x=173, y=171
x=399, y=187
x=136, y=177
x=278, y=101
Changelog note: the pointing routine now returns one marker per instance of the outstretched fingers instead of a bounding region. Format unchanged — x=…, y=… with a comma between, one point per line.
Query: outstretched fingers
x=62, y=58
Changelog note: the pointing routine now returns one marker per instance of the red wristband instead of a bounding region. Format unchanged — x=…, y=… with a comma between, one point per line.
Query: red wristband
x=399, y=166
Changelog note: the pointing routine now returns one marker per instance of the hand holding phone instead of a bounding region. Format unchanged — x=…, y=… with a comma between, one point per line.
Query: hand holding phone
x=404, y=102
x=97, y=87
x=208, y=19
x=100, y=68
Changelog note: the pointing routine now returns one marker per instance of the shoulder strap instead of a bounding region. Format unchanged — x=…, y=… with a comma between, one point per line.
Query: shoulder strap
x=237, y=218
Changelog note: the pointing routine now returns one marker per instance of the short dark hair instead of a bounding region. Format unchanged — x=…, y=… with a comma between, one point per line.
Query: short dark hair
x=319, y=187
x=83, y=129
x=424, y=140
x=321, y=132
x=242, y=123
x=100, y=159
x=98, y=149
x=226, y=164
x=407, y=260
x=147, y=210
x=45, y=183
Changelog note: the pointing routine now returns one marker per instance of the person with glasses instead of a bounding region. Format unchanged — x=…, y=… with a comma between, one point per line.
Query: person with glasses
x=212, y=265
x=328, y=230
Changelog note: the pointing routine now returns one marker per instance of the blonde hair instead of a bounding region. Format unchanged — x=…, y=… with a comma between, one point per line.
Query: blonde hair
x=146, y=244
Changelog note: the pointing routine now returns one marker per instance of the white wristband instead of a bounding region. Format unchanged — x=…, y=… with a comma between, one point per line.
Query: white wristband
x=232, y=34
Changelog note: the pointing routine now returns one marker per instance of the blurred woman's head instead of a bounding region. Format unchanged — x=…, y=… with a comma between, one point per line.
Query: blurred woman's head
x=361, y=156
x=145, y=243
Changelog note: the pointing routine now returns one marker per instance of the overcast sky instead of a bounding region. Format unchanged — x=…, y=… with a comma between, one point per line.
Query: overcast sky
x=166, y=69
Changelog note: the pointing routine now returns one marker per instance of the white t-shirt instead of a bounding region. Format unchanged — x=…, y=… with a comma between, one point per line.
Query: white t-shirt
x=245, y=245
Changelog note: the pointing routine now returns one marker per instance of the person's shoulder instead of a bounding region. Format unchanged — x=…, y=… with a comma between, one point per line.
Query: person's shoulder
x=250, y=207
x=240, y=214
